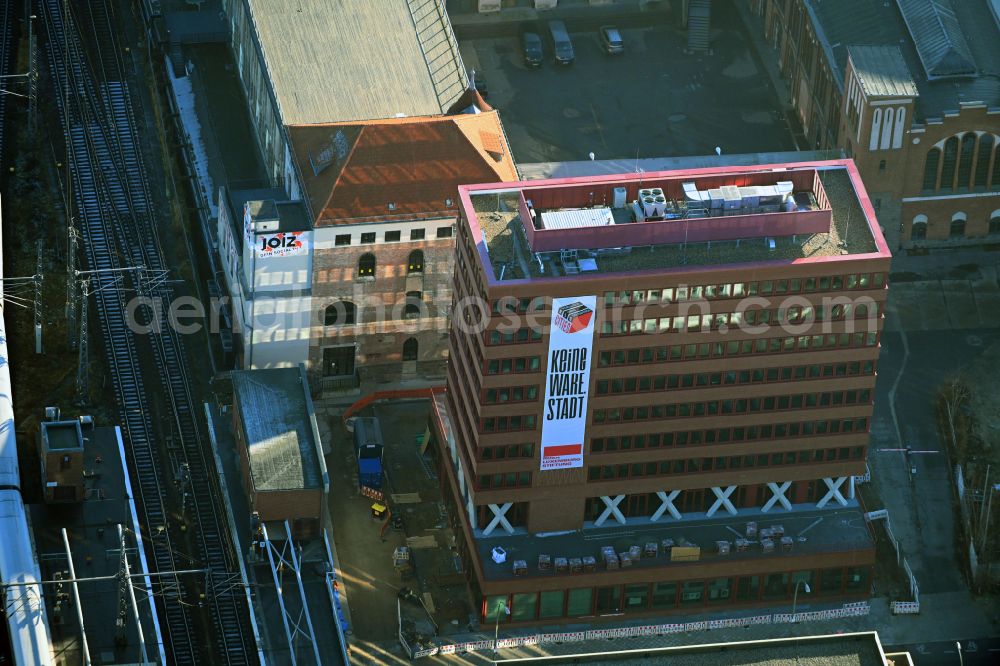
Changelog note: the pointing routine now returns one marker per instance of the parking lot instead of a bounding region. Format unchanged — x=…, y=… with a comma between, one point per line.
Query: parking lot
x=654, y=100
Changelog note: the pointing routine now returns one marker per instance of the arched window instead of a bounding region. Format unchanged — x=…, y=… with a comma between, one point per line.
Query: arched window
x=886, y=130
x=415, y=264
x=983, y=159
x=366, y=265
x=957, y=226
x=414, y=303
x=931, y=167
x=918, y=231
x=341, y=313
x=861, y=311
x=948, y=166
x=410, y=349
x=876, y=128
x=965, y=161
x=994, y=227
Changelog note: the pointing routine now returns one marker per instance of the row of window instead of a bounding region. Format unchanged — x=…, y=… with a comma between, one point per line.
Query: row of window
x=507, y=451
x=506, y=366
x=414, y=263
x=723, y=320
x=735, y=348
x=520, y=336
x=918, y=229
x=508, y=423
x=721, y=464
x=768, y=431
x=661, y=596
x=512, y=394
x=742, y=289
x=368, y=238
x=736, y=406
x=730, y=377
x=508, y=480
x=952, y=168
x=345, y=313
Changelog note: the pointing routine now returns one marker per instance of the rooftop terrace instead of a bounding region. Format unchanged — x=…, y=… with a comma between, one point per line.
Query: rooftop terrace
x=832, y=218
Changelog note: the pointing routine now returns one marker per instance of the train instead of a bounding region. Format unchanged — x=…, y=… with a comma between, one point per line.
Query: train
x=24, y=604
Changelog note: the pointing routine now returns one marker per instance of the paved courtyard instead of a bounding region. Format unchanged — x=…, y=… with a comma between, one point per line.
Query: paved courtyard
x=654, y=100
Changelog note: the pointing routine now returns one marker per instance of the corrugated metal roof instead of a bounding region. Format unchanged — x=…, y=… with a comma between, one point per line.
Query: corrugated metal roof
x=882, y=71
x=577, y=218
x=350, y=60
x=936, y=33
x=277, y=428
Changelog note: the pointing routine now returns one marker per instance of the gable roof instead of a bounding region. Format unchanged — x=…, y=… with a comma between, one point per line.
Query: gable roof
x=353, y=60
x=938, y=38
x=882, y=71
x=354, y=171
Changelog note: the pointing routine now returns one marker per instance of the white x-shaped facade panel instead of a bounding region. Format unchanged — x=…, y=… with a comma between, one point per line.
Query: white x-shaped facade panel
x=499, y=519
x=611, y=510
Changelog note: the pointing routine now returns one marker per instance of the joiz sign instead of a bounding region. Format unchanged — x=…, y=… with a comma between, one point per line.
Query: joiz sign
x=285, y=244
x=567, y=382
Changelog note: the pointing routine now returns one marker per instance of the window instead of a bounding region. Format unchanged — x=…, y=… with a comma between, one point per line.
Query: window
x=551, y=604
x=410, y=348
x=776, y=586
x=748, y=587
x=414, y=304
x=368, y=238
x=342, y=239
x=965, y=161
x=444, y=232
x=829, y=581
x=415, y=264
x=609, y=599
x=340, y=313
x=857, y=579
x=718, y=590
x=983, y=159
x=948, y=166
x=578, y=602
x=931, y=167
x=524, y=607
x=957, y=226
x=692, y=593
x=994, y=227
x=338, y=361
x=664, y=595
x=918, y=231
x=392, y=237
x=636, y=597
x=366, y=265
x=416, y=234
x=881, y=166
x=494, y=606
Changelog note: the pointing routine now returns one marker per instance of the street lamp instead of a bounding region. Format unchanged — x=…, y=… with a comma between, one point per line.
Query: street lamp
x=501, y=608
x=795, y=596
x=961, y=660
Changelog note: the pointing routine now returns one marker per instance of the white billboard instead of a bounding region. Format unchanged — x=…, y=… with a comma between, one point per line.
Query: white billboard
x=286, y=244
x=567, y=382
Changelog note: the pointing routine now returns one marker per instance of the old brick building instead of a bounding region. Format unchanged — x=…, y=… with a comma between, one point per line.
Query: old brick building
x=640, y=362
x=908, y=89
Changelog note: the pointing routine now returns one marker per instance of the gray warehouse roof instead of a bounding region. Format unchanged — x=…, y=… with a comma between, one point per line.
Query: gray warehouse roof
x=349, y=60
x=277, y=428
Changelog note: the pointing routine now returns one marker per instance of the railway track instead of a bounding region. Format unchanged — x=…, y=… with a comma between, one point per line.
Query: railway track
x=6, y=46
x=115, y=213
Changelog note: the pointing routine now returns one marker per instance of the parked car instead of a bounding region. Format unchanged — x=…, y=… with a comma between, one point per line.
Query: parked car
x=611, y=40
x=561, y=43
x=531, y=49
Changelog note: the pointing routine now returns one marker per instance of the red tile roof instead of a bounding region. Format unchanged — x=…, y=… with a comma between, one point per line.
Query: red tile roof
x=356, y=170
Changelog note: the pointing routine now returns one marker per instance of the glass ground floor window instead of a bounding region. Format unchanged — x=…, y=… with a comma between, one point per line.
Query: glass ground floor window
x=689, y=595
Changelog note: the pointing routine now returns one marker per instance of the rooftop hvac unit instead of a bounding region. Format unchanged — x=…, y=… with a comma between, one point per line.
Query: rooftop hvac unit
x=715, y=198
x=649, y=206
x=660, y=203
x=731, y=197
x=645, y=193
x=750, y=196
x=691, y=194
x=657, y=191
x=637, y=211
x=620, y=197
x=784, y=187
x=261, y=226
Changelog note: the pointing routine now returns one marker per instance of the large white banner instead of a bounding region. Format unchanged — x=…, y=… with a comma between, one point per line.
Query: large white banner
x=287, y=244
x=567, y=382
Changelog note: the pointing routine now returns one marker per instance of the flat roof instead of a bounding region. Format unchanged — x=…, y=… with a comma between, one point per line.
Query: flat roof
x=494, y=212
x=856, y=649
x=358, y=59
x=277, y=428
x=812, y=531
x=91, y=527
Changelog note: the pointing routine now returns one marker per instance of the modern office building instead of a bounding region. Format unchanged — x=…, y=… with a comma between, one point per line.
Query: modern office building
x=676, y=366
x=907, y=89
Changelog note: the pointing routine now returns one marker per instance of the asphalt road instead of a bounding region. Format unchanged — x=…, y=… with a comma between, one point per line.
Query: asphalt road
x=984, y=651
x=654, y=100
